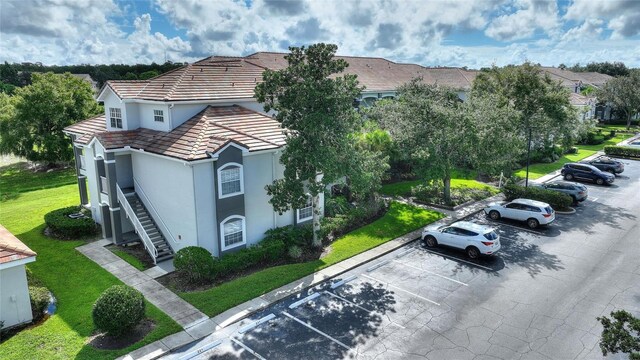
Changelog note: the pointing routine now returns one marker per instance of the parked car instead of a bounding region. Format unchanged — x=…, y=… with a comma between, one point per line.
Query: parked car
x=586, y=172
x=578, y=192
x=607, y=164
x=474, y=239
x=635, y=143
x=534, y=213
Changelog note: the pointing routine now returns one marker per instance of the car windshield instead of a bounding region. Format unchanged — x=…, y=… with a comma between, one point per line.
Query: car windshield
x=491, y=235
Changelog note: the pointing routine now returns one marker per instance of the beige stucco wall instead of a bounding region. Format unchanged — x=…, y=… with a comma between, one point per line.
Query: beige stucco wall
x=15, y=307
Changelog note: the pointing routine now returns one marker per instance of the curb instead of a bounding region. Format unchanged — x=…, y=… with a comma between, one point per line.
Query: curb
x=570, y=212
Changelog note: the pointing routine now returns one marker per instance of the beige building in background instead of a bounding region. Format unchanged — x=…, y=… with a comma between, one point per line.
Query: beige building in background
x=15, y=306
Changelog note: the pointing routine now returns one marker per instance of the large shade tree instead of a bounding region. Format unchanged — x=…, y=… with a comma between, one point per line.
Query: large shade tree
x=620, y=333
x=314, y=104
x=440, y=133
x=39, y=112
x=623, y=93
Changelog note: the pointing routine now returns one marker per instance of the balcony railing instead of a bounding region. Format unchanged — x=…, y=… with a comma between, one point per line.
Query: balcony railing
x=103, y=185
x=82, y=162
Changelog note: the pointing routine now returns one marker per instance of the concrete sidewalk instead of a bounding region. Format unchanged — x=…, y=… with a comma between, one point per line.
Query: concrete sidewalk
x=237, y=313
x=171, y=304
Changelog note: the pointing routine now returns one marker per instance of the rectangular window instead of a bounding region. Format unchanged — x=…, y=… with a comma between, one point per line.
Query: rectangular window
x=306, y=212
x=230, y=181
x=115, y=115
x=233, y=232
x=158, y=115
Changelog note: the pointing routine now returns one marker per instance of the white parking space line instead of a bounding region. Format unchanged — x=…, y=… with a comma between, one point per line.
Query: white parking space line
x=201, y=350
x=305, y=300
x=316, y=330
x=252, y=325
x=456, y=259
x=521, y=228
x=401, y=289
x=342, y=282
x=432, y=273
x=347, y=301
x=250, y=350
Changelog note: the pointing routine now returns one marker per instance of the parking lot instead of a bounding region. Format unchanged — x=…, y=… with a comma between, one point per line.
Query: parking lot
x=538, y=298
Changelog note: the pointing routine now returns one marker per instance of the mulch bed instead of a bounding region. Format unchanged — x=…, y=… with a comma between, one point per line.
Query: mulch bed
x=136, y=250
x=106, y=342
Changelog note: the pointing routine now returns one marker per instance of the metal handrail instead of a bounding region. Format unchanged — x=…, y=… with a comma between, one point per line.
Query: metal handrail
x=156, y=215
x=148, y=244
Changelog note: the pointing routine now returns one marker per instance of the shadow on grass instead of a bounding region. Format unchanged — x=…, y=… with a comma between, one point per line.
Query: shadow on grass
x=19, y=178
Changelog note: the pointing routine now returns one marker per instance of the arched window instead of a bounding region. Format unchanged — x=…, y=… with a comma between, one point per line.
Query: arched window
x=233, y=232
x=230, y=180
x=306, y=213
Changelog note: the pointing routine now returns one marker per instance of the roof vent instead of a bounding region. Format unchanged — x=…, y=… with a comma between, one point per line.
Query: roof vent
x=163, y=86
x=255, y=80
x=192, y=77
x=233, y=84
x=226, y=68
x=200, y=69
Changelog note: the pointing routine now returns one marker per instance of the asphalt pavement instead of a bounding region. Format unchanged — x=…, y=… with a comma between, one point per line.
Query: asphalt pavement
x=538, y=298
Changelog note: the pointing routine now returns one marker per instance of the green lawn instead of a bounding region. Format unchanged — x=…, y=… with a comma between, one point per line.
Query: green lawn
x=15, y=179
x=536, y=171
x=75, y=280
x=461, y=179
x=132, y=260
x=399, y=220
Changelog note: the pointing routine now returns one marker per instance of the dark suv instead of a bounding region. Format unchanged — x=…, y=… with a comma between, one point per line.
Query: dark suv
x=577, y=171
x=606, y=164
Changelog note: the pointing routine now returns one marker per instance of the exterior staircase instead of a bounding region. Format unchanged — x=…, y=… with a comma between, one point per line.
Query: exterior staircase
x=160, y=243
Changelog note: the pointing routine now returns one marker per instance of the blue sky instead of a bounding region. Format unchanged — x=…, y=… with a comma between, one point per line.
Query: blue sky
x=433, y=33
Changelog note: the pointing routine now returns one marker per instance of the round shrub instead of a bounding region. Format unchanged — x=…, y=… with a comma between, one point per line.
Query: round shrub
x=295, y=252
x=119, y=309
x=61, y=225
x=39, y=297
x=194, y=262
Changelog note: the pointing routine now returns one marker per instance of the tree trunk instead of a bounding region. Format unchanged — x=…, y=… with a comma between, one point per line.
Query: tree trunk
x=317, y=240
x=628, y=120
x=447, y=189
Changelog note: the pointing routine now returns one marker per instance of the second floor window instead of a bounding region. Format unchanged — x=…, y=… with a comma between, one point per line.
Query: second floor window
x=115, y=116
x=158, y=115
x=230, y=180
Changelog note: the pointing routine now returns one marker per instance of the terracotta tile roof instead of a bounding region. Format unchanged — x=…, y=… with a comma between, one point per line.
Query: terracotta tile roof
x=580, y=100
x=213, y=78
x=11, y=248
x=206, y=132
x=570, y=78
x=378, y=74
x=85, y=130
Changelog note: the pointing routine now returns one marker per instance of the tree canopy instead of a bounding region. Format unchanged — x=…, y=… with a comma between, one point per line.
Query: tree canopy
x=542, y=103
x=32, y=120
x=623, y=93
x=621, y=333
x=315, y=107
x=610, y=68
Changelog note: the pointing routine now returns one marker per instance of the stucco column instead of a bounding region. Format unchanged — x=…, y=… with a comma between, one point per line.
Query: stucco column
x=82, y=188
x=114, y=205
x=106, y=221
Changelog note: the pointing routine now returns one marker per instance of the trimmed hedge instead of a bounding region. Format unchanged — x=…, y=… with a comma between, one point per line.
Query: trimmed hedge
x=195, y=262
x=267, y=251
x=62, y=226
x=626, y=151
x=557, y=200
x=39, y=297
x=119, y=309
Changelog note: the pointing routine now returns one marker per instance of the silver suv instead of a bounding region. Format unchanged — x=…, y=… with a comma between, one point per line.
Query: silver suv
x=578, y=192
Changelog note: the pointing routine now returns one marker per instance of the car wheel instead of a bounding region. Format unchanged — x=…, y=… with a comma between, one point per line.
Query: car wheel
x=533, y=223
x=568, y=177
x=430, y=241
x=494, y=215
x=599, y=181
x=473, y=252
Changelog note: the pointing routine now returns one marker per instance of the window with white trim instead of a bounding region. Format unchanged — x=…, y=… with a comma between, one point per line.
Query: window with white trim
x=233, y=232
x=158, y=115
x=115, y=116
x=230, y=180
x=306, y=213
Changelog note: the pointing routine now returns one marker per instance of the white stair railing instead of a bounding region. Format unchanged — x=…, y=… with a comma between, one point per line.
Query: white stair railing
x=131, y=214
x=155, y=215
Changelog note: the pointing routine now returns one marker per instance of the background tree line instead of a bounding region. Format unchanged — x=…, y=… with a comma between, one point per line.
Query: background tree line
x=19, y=75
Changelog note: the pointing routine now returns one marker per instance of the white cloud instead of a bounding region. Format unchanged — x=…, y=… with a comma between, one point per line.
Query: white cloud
x=93, y=31
x=530, y=16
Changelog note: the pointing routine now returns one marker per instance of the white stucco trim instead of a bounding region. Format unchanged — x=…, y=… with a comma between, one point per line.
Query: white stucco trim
x=244, y=232
x=241, y=148
x=219, y=173
x=174, y=102
x=14, y=263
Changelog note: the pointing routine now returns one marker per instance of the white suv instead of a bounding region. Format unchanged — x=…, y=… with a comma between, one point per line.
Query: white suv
x=535, y=213
x=474, y=239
